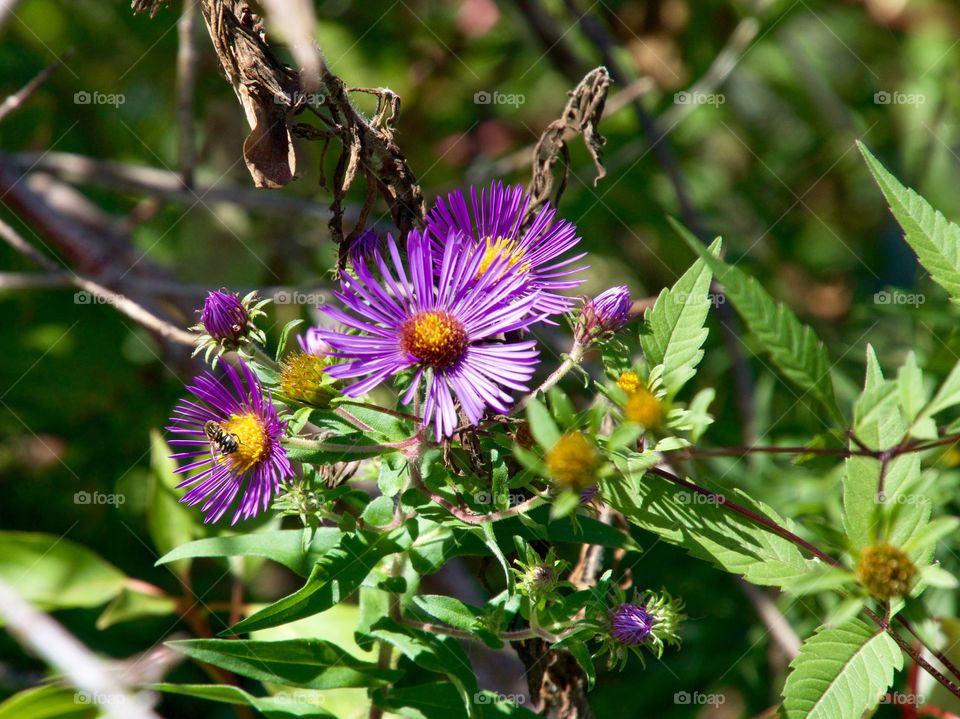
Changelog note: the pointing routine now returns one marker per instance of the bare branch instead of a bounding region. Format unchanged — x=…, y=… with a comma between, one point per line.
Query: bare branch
x=16, y=100
x=186, y=82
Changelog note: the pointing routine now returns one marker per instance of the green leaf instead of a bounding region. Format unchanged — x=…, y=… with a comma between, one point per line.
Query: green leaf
x=284, y=334
x=336, y=575
x=55, y=573
x=349, y=417
x=171, y=524
x=379, y=512
x=448, y=610
x=675, y=325
x=435, y=653
x=542, y=426
x=841, y=672
x=49, y=702
x=935, y=240
x=793, y=346
x=281, y=706
x=706, y=530
x=947, y=396
x=440, y=699
x=307, y=663
x=284, y=546
x=130, y=604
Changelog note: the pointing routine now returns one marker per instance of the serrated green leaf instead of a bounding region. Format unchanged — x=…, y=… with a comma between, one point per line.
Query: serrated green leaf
x=307, y=663
x=706, y=530
x=675, y=325
x=841, y=672
x=935, y=240
x=793, y=346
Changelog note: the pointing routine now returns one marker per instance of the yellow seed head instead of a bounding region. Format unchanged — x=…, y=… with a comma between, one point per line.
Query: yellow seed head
x=502, y=249
x=886, y=571
x=644, y=408
x=301, y=379
x=434, y=337
x=573, y=462
x=629, y=382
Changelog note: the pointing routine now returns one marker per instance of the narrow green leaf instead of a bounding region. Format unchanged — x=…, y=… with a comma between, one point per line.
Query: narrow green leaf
x=307, y=663
x=283, y=545
x=280, y=706
x=675, y=325
x=841, y=672
x=49, y=702
x=935, y=240
x=171, y=524
x=284, y=335
x=793, y=346
x=336, y=575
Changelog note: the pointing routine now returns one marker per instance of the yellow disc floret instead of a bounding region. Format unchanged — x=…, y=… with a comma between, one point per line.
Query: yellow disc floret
x=573, y=462
x=644, y=408
x=629, y=382
x=886, y=571
x=302, y=379
x=253, y=442
x=507, y=252
x=436, y=338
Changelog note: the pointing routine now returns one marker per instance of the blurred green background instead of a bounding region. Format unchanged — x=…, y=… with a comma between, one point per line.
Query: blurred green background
x=767, y=158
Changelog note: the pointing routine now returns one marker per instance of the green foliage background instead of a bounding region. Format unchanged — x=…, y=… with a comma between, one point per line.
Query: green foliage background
x=773, y=169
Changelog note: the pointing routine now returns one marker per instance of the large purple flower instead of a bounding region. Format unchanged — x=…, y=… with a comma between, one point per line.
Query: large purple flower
x=492, y=222
x=235, y=434
x=439, y=320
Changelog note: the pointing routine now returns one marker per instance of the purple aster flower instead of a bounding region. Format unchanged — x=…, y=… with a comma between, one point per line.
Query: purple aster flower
x=631, y=624
x=493, y=224
x=437, y=318
x=235, y=435
x=312, y=344
x=224, y=317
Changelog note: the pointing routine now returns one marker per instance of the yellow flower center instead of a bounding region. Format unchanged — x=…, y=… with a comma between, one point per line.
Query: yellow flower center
x=302, y=379
x=500, y=249
x=436, y=338
x=643, y=408
x=573, y=462
x=629, y=382
x=886, y=571
x=253, y=442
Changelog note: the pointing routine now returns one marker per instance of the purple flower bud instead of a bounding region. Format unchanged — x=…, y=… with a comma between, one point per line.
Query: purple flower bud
x=607, y=312
x=224, y=317
x=363, y=247
x=312, y=344
x=631, y=624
